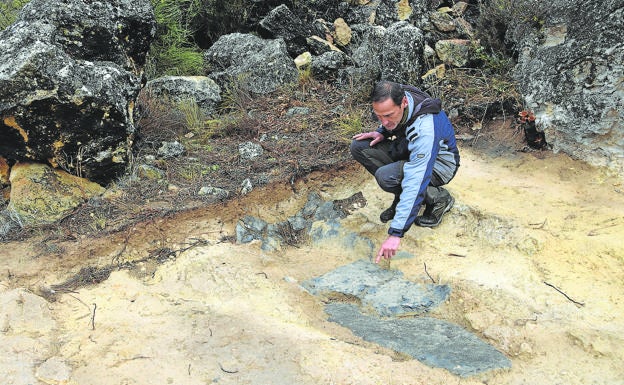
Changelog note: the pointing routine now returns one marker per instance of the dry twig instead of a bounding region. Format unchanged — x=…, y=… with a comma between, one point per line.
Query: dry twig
x=564, y=294
x=431, y=278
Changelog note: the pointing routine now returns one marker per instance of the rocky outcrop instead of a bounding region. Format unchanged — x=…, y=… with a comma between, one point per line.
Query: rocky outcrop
x=43, y=195
x=570, y=71
x=375, y=40
x=281, y=22
x=177, y=89
x=69, y=73
x=250, y=63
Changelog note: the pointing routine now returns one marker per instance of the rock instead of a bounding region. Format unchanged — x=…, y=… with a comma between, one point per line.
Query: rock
x=176, y=89
x=303, y=61
x=250, y=63
x=5, y=170
x=443, y=21
x=246, y=187
x=150, y=172
x=249, y=150
x=282, y=23
x=366, y=45
x=570, y=75
x=319, y=46
x=459, y=8
x=363, y=14
x=402, y=53
x=171, y=149
x=308, y=223
x=216, y=192
x=327, y=65
x=249, y=228
x=298, y=111
x=434, y=342
x=69, y=74
x=384, y=291
x=464, y=28
x=387, y=13
x=454, y=52
x=54, y=371
x=342, y=32
x=42, y=195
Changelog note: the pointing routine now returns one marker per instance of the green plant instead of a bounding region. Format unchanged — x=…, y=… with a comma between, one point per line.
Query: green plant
x=9, y=11
x=173, y=51
x=236, y=96
x=194, y=117
x=349, y=124
x=305, y=76
x=491, y=60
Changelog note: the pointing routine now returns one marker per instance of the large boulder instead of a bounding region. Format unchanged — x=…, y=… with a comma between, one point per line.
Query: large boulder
x=178, y=89
x=257, y=65
x=365, y=47
x=43, y=195
x=570, y=71
x=70, y=71
x=281, y=22
x=402, y=54
x=394, y=53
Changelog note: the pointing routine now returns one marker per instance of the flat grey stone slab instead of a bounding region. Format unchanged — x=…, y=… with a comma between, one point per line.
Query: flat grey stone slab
x=434, y=342
x=377, y=296
x=384, y=291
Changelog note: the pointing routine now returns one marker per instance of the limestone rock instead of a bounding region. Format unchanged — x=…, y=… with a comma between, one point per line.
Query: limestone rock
x=200, y=89
x=257, y=65
x=69, y=73
x=570, y=72
x=42, y=195
x=454, y=52
x=303, y=61
x=342, y=32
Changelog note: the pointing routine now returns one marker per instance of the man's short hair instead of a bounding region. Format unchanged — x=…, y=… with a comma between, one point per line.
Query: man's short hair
x=385, y=89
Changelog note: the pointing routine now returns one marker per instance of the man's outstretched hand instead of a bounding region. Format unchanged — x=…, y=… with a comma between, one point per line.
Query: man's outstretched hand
x=388, y=248
x=374, y=135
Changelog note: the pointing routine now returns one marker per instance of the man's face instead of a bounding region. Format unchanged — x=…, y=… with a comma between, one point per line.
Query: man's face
x=388, y=113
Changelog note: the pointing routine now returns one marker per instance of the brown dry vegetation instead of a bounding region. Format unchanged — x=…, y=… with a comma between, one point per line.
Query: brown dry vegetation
x=294, y=145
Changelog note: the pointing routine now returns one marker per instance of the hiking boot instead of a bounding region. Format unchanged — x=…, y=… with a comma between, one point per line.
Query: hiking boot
x=387, y=214
x=432, y=216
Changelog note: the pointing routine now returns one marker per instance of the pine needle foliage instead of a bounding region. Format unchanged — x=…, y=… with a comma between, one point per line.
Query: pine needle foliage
x=174, y=51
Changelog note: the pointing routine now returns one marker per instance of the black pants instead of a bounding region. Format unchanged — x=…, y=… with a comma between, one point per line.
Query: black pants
x=389, y=173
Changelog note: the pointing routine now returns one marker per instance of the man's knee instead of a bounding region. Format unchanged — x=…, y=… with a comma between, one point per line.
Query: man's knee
x=388, y=179
x=357, y=146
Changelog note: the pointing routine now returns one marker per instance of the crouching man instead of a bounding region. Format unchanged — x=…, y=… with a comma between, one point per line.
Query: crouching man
x=412, y=154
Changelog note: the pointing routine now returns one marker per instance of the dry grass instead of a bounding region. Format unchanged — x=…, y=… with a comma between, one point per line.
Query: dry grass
x=293, y=144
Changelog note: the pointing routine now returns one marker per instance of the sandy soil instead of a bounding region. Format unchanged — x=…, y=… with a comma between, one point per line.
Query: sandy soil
x=533, y=251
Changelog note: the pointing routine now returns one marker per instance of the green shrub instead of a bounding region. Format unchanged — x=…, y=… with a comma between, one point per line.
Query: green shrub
x=173, y=51
x=349, y=124
x=194, y=117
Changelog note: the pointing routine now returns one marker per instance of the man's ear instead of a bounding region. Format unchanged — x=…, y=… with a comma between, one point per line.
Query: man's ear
x=404, y=102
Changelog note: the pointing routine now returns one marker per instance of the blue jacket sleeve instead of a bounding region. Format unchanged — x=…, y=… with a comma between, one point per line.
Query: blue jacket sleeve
x=416, y=175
